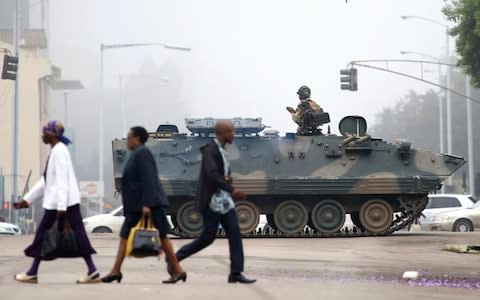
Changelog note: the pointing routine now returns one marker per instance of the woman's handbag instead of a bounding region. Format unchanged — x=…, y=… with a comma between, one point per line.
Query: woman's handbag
x=59, y=241
x=143, y=239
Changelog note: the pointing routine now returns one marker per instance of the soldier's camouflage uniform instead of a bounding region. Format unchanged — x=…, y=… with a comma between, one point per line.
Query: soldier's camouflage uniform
x=306, y=117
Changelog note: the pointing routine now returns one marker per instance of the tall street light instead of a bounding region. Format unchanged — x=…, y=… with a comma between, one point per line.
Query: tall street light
x=471, y=158
x=66, y=86
x=449, y=98
x=104, y=47
x=440, y=104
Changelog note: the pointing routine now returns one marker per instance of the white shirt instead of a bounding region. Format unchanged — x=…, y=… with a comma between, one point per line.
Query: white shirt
x=61, y=188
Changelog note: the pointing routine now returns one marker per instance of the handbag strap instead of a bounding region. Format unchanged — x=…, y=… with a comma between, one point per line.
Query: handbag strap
x=146, y=222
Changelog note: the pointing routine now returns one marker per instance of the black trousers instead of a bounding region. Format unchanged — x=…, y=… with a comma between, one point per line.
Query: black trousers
x=211, y=220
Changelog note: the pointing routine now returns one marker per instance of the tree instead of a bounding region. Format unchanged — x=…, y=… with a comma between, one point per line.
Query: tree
x=414, y=117
x=466, y=15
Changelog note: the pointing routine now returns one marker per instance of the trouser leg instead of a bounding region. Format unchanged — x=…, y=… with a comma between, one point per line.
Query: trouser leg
x=230, y=224
x=210, y=227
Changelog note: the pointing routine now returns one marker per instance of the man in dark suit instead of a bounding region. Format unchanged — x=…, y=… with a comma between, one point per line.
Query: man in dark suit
x=215, y=202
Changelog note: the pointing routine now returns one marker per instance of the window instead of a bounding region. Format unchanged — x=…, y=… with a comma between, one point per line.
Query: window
x=119, y=213
x=444, y=202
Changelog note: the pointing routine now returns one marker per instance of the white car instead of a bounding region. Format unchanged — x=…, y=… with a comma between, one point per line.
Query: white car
x=9, y=229
x=460, y=220
x=441, y=203
x=105, y=223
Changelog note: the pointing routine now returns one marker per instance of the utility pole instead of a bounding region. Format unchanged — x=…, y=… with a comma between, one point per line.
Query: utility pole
x=449, y=100
x=16, y=35
x=471, y=155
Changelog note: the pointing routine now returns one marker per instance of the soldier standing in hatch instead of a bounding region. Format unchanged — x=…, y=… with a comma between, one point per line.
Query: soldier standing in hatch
x=306, y=112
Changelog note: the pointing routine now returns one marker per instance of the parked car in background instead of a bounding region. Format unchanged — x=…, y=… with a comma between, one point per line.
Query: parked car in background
x=441, y=203
x=460, y=220
x=105, y=223
x=9, y=229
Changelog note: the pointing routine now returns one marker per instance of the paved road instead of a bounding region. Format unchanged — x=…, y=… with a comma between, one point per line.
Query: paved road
x=334, y=268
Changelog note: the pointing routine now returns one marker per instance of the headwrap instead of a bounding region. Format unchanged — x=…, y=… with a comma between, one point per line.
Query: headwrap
x=56, y=128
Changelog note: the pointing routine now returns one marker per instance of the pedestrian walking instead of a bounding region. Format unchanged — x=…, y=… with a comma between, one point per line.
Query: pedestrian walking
x=143, y=196
x=61, y=200
x=216, y=202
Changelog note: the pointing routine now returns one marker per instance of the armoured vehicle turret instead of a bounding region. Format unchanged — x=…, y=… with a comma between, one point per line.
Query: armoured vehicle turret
x=305, y=185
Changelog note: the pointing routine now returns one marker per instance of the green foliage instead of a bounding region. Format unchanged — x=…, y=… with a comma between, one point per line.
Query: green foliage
x=466, y=15
x=415, y=117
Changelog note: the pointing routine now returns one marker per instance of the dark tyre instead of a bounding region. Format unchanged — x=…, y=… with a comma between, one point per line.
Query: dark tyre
x=189, y=220
x=102, y=229
x=290, y=217
x=247, y=215
x=376, y=215
x=463, y=225
x=328, y=216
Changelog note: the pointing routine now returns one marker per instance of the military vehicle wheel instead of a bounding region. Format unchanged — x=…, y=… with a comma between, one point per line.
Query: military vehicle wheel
x=248, y=216
x=376, y=215
x=271, y=221
x=189, y=220
x=328, y=216
x=355, y=216
x=290, y=216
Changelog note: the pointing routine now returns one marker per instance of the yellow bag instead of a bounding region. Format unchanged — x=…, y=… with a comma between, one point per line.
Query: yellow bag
x=143, y=239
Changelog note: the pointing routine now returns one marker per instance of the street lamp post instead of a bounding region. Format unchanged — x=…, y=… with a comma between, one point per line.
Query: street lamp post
x=65, y=99
x=104, y=47
x=440, y=104
x=471, y=158
x=448, y=94
x=66, y=86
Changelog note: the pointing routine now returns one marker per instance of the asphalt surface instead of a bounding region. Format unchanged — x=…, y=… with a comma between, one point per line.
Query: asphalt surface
x=327, y=268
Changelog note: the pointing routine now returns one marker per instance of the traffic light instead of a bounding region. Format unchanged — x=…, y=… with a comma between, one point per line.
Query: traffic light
x=10, y=67
x=348, y=79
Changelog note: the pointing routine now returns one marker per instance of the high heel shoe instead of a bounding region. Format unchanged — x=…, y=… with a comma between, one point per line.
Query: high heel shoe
x=112, y=277
x=174, y=278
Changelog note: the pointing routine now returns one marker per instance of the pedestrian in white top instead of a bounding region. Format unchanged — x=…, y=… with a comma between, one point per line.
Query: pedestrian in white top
x=61, y=200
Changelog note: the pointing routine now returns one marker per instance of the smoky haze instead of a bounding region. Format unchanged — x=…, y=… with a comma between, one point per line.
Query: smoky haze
x=248, y=59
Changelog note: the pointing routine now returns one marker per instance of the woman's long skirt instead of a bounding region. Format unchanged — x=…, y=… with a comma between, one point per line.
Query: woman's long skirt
x=74, y=218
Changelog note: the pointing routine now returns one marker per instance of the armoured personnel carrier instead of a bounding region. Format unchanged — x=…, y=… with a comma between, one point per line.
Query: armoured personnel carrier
x=296, y=181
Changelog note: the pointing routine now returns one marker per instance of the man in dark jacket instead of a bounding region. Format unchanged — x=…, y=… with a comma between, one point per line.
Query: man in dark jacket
x=215, y=201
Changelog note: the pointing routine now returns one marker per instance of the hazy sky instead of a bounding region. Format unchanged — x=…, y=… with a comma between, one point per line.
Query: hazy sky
x=249, y=57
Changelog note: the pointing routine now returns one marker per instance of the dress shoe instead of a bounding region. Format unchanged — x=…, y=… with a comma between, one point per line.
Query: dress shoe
x=26, y=278
x=233, y=278
x=174, y=278
x=112, y=277
x=92, y=278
